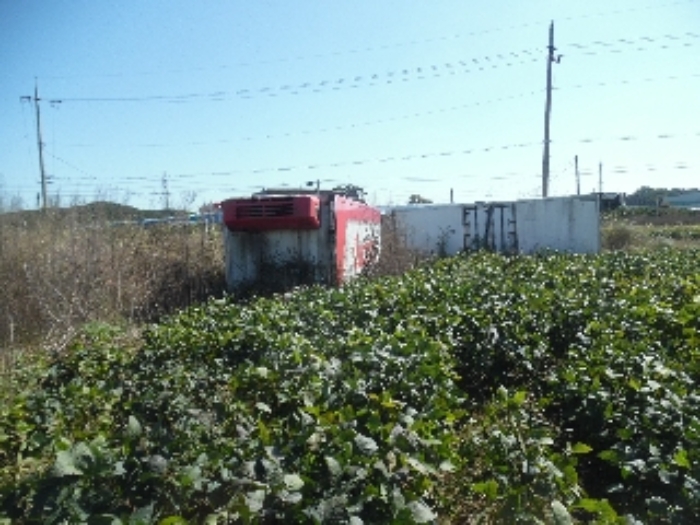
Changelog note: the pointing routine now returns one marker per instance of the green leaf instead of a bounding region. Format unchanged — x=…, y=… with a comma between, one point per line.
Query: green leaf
x=608, y=455
x=588, y=504
x=519, y=398
x=255, y=500
x=191, y=476
x=447, y=466
x=580, y=448
x=366, y=444
x=293, y=482
x=420, y=512
x=561, y=515
x=601, y=508
x=680, y=458
x=65, y=465
x=417, y=465
x=102, y=519
x=133, y=427
x=333, y=466
x=263, y=407
x=142, y=516
x=487, y=488
x=173, y=520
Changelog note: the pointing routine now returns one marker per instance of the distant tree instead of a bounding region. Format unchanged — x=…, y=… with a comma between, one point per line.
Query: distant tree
x=418, y=199
x=352, y=191
x=16, y=203
x=646, y=196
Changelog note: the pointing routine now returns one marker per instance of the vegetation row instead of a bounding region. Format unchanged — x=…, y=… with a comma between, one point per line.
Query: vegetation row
x=555, y=388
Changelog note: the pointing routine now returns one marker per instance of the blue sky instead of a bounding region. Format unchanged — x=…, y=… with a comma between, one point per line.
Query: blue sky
x=216, y=99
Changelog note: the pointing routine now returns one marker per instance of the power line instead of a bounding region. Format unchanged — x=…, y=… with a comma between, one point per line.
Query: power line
x=408, y=158
x=642, y=40
x=678, y=165
x=328, y=129
x=631, y=82
x=398, y=75
x=72, y=166
x=631, y=138
x=380, y=48
x=471, y=34
x=399, y=158
x=67, y=191
x=406, y=116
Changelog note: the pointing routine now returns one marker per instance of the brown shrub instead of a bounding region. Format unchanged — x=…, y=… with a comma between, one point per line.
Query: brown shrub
x=617, y=236
x=60, y=272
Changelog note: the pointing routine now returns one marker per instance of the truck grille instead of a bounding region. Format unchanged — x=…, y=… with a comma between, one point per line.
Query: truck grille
x=300, y=212
x=262, y=209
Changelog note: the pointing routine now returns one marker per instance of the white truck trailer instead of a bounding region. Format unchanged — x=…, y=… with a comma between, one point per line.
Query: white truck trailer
x=566, y=224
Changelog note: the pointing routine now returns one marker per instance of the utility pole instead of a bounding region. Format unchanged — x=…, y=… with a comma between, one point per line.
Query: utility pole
x=548, y=110
x=166, y=193
x=600, y=178
x=40, y=144
x=578, y=176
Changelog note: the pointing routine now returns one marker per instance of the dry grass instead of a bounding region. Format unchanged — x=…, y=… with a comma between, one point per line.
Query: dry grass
x=395, y=258
x=629, y=236
x=59, y=272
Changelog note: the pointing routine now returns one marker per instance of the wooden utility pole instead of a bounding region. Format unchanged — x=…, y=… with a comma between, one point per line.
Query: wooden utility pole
x=40, y=144
x=578, y=176
x=548, y=110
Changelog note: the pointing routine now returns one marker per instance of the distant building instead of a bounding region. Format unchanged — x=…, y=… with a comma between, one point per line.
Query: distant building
x=690, y=199
x=611, y=201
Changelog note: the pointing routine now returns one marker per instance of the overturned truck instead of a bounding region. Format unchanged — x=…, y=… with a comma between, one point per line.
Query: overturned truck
x=278, y=239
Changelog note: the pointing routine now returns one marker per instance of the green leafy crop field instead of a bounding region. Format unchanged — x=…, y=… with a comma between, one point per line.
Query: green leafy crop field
x=489, y=389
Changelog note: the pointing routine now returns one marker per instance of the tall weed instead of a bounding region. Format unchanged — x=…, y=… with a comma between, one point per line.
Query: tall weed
x=60, y=271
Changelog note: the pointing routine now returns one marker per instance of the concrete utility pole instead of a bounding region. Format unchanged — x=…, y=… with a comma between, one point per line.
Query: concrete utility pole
x=166, y=193
x=40, y=144
x=600, y=178
x=548, y=110
x=578, y=176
